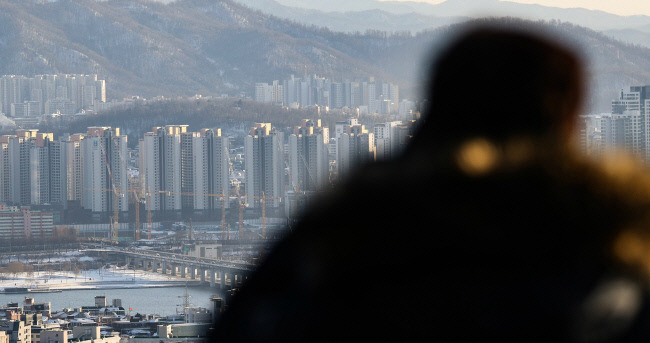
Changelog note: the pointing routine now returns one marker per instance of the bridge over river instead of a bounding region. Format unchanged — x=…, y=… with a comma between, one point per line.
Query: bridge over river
x=224, y=274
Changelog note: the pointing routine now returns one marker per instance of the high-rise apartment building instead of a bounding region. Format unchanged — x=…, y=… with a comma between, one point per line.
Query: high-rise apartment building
x=354, y=147
x=46, y=171
x=310, y=90
x=160, y=152
x=105, y=156
x=627, y=127
x=385, y=141
x=273, y=93
x=205, y=169
x=308, y=156
x=71, y=155
x=21, y=96
x=391, y=138
x=10, y=171
x=590, y=135
x=31, y=172
x=265, y=164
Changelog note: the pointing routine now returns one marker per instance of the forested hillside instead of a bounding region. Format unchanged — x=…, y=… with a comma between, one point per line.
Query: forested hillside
x=208, y=47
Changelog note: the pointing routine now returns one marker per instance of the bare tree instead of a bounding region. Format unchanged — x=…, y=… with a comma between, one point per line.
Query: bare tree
x=15, y=267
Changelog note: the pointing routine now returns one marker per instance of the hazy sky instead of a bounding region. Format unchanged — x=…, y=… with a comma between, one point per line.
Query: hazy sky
x=621, y=7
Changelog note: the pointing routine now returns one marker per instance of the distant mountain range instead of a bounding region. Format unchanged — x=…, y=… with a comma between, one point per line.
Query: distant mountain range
x=210, y=47
x=361, y=15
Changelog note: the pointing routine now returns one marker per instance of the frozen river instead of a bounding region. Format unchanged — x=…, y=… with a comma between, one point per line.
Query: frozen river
x=144, y=292
x=159, y=300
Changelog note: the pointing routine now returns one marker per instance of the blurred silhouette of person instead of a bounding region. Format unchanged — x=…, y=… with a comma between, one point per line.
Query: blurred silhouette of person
x=488, y=227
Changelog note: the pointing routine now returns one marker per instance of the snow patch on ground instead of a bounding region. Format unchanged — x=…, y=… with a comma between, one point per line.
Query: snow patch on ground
x=90, y=279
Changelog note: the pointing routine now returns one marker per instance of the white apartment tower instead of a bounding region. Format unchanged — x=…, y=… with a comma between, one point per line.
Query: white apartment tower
x=628, y=127
x=590, y=135
x=391, y=138
x=264, y=164
x=31, y=172
x=354, y=147
x=308, y=156
x=160, y=152
x=104, y=152
x=273, y=93
x=205, y=169
x=46, y=170
x=386, y=142
x=21, y=96
x=72, y=159
x=10, y=184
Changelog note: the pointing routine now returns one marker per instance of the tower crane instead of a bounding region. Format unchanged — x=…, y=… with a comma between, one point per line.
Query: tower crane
x=223, y=207
x=116, y=210
x=263, y=203
x=137, y=206
x=223, y=197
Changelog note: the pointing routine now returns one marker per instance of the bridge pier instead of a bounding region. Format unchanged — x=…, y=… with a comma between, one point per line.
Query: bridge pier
x=220, y=274
x=213, y=276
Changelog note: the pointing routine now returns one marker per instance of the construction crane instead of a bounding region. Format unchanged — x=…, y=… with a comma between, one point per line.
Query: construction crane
x=148, y=214
x=296, y=184
x=223, y=205
x=149, y=205
x=241, y=217
x=263, y=204
x=224, y=198
x=116, y=210
x=137, y=206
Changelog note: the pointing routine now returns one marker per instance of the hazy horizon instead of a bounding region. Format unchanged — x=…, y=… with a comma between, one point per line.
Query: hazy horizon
x=621, y=7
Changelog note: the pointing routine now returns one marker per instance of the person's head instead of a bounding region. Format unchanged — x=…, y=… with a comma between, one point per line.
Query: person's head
x=498, y=82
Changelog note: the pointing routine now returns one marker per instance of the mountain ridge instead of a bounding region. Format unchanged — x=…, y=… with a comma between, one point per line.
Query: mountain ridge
x=190, y=47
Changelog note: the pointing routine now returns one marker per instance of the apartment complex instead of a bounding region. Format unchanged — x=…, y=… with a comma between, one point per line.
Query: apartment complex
x=30, y=169
x=626, y=127
x=354, y=146
x=182, y=170
x=205, y=170
x=264, y=161
x=369, y=96
x=161, y=169
x=390, y=138
x=308, y=156
x=105, y=154
x=22, y=96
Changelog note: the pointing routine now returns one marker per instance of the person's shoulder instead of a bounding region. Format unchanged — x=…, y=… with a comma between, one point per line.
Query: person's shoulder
x=612, y=175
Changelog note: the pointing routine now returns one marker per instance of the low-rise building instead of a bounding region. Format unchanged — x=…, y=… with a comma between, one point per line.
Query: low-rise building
x=23, y=223
x=44, y=309
x=17, y=331
x=183, y=330
x=54, y=336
